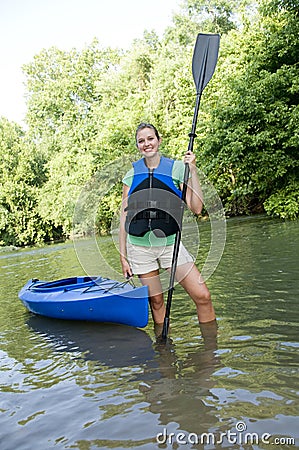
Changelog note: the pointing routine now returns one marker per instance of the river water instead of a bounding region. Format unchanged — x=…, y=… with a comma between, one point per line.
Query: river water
x=73, y=385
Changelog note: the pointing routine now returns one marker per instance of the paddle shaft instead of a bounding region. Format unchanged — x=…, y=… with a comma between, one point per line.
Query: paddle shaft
x=202, y=73
x=178, y=236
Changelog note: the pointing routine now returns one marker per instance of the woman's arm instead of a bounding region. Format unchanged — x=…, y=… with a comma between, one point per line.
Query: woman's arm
x=123, y=235
x=194, y=196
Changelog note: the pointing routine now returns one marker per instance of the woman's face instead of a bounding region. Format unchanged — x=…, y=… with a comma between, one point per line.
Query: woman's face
x=147, y=142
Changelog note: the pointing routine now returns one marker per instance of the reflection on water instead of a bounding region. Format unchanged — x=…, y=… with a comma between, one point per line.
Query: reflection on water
x=109, y=344
x=86, y=386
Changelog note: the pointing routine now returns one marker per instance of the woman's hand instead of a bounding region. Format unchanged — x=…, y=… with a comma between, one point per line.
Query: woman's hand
x=190, y=159
x=126, y=269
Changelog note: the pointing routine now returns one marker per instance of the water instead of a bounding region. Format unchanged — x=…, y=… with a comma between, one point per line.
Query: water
x=68, y=385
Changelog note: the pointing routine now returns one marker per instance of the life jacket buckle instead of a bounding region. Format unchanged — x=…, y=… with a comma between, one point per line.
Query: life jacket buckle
x=151, y=204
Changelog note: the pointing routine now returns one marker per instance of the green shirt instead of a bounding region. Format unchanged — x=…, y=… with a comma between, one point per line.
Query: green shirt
x=149, y=239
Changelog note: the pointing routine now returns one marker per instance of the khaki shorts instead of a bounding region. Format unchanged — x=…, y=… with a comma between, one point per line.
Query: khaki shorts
x=146, y=259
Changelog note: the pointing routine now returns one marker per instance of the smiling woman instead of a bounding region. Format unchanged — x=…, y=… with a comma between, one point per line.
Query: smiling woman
x=152, y=194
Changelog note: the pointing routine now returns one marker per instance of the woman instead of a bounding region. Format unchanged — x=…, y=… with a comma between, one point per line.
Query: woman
x=151, y=195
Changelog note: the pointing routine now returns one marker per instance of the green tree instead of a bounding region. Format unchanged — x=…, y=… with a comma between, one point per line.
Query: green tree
x=62, y=94
x=251, y=150
x=21, y=172
x=206, y=16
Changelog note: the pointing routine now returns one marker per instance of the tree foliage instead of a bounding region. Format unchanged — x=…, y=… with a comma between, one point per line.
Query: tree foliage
x=84, y=106
x=252, y=151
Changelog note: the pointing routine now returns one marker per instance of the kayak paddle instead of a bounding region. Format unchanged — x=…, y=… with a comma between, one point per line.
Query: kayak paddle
x=204, y=61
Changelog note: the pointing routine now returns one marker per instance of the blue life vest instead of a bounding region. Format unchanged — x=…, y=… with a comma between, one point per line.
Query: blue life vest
x=154, y=201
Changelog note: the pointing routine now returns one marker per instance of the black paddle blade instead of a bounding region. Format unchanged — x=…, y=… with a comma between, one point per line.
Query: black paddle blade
x=204, y=59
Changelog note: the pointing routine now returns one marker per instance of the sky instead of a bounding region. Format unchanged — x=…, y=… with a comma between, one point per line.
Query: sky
x=28, y=26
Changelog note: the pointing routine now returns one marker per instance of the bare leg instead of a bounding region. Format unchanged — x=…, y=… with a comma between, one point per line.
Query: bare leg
x=191, y=280
x=209, y=332
x=152, y=280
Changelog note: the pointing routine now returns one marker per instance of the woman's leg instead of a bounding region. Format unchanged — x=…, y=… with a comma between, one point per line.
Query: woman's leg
x=191, y=280
x=152, y=280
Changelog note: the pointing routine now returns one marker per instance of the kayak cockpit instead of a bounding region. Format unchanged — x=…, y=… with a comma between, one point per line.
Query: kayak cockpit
x=83, y=284
x=60, y=284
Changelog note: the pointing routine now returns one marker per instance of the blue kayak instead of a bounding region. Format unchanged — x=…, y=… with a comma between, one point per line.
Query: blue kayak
x=94, y=299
